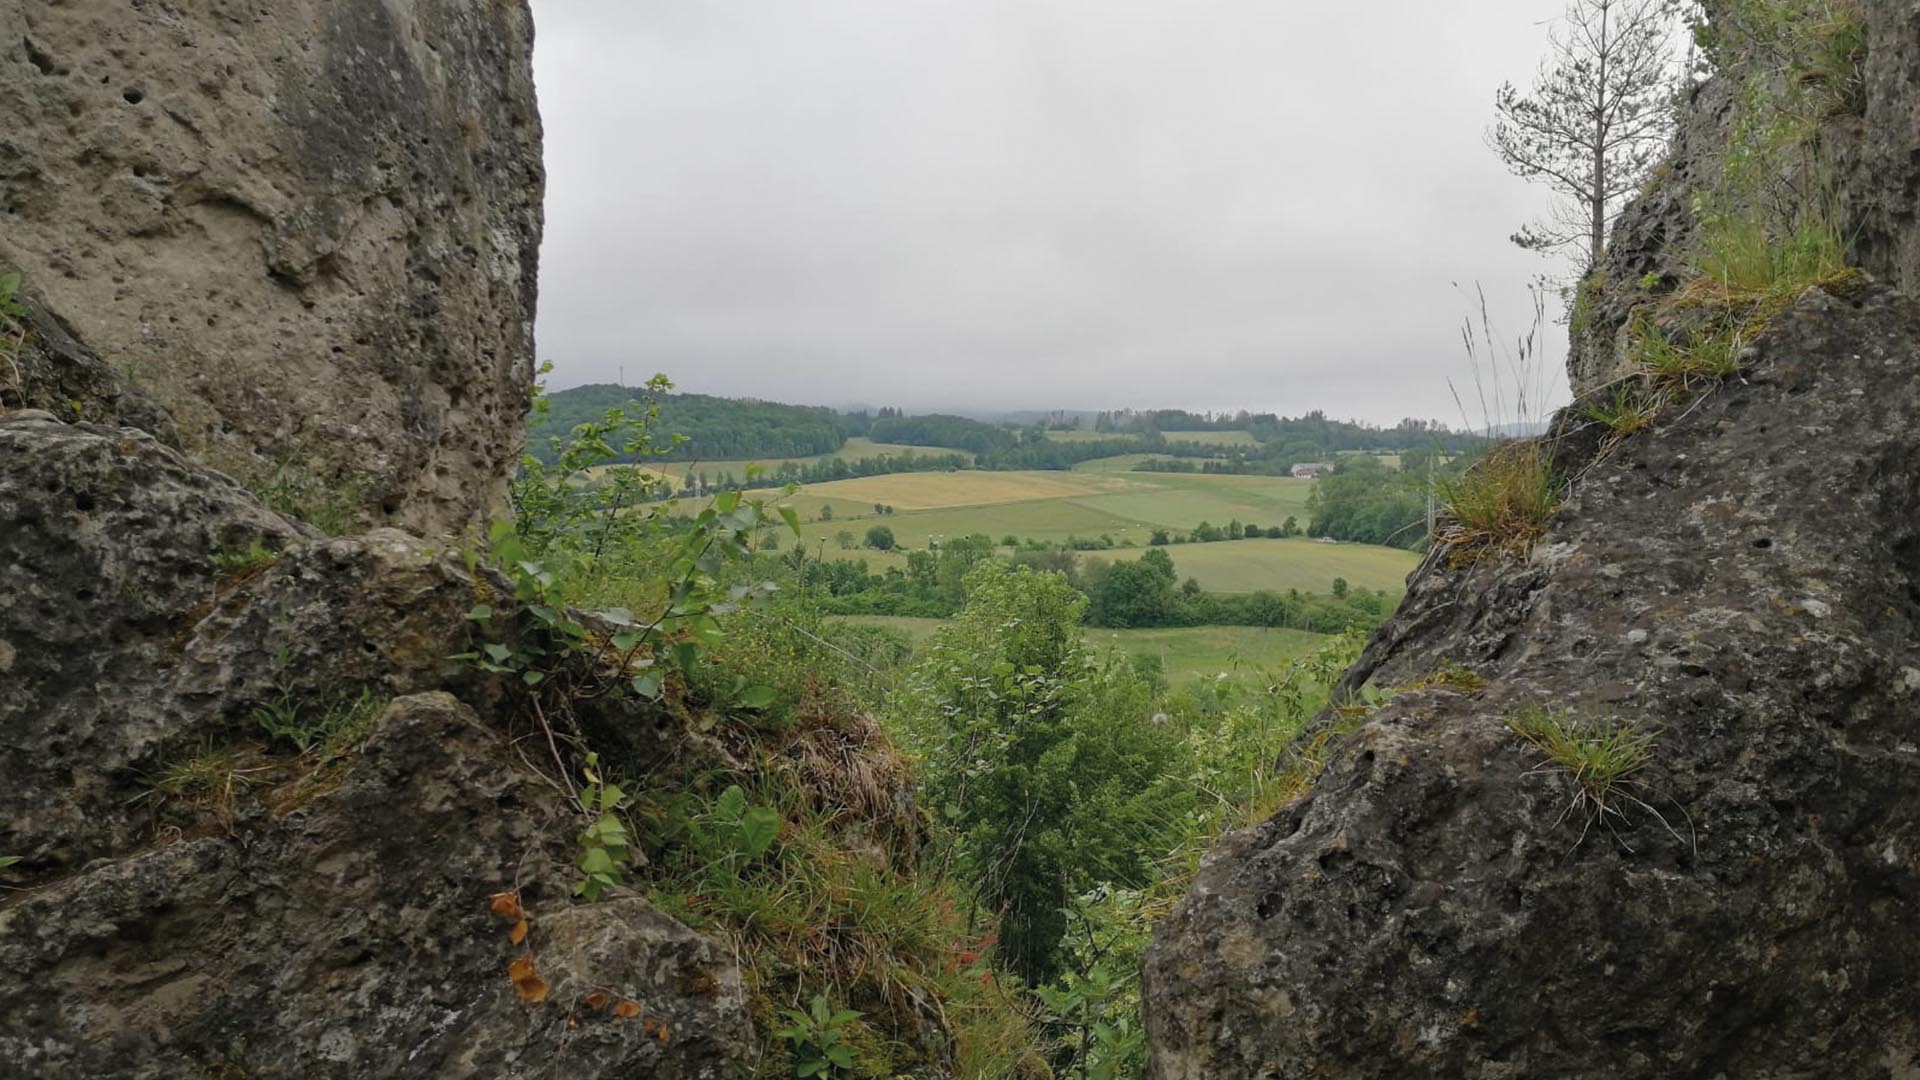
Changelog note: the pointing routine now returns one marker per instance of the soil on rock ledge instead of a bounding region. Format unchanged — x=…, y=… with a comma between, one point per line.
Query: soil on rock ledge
x=1746, y=581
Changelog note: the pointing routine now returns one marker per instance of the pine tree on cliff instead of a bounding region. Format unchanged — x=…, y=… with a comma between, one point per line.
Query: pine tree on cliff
x=1596, y=119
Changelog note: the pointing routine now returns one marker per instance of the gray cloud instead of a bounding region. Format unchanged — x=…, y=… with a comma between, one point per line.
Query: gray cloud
x=1031, y=203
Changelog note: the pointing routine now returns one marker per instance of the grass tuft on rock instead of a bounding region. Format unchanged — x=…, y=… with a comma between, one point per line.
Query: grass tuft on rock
x=1599, y=755
x=1502, y=503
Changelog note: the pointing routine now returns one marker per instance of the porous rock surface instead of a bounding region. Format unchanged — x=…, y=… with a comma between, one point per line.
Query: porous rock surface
x=1744, y=580
x=314, y=919
x=308, y=229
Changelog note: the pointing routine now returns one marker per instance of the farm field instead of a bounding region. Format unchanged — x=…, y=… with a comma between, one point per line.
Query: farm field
x=1184, y=652
x=1127, y=506
x=1047, y=505
x=1242, y=566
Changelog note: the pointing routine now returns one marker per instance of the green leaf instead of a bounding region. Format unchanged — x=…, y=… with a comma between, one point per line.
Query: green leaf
x=759, y=828
x=625, y=640
x=9, y=860
x=685, y=654
x=841, y=1055
x=758, y=697
x=792, y=517
x=499, y=652
x=480, y=613
x=595, y=860
x=618, y=616
x=647, y=686
x=726, y=502
x=532, y=678
x=731, y=804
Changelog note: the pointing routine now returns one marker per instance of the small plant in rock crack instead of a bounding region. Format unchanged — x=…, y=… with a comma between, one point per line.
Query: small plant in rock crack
x=239, y=561
x=604, y=843
x=1601, y=756
x=330, y=730
x=1626, y=412
x=12, y=334
x=10, y=306
x=818, y=1039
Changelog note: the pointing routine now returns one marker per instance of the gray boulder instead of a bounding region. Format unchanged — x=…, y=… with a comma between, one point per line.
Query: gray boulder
x=1744, y=583
x=198, y=896
x=348, y=932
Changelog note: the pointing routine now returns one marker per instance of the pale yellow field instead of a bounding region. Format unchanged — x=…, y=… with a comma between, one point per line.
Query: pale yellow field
x=932, y=491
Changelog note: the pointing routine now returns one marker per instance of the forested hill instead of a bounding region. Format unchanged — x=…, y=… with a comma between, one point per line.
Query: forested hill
x=717, y=429
x=721, y=429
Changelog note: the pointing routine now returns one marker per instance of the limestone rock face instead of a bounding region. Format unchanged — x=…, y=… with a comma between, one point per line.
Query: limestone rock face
x=308, y=229
x=1872, y=145
x=194, y=897
x=1744, y=581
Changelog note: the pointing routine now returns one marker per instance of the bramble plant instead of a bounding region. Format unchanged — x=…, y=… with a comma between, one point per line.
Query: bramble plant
x=737, y=830
x=818, y=1039
x=1104, y=1039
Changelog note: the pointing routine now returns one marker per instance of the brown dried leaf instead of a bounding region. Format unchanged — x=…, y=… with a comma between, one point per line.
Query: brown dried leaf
x=507, y=905
x=530, y=986
x=519, y=932
x=627, y=1010
x=596, y=1000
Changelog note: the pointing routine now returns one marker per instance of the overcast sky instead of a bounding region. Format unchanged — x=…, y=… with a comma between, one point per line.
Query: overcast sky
x=1208, y=204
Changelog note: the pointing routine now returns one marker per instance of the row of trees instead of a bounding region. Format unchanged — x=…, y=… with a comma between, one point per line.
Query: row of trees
x=1128, y=594
x=1142, y=593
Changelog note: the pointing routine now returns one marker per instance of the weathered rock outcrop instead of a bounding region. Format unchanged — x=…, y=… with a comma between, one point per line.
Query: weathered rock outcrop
x=195, y=898
x=1745, y=581
x=307, y=229
x=1868, y=139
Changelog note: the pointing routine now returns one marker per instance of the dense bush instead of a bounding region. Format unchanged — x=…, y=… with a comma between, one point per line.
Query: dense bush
x=1042, y=759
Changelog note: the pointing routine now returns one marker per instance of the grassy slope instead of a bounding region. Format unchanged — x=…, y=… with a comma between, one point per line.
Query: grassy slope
x=1184, y=652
